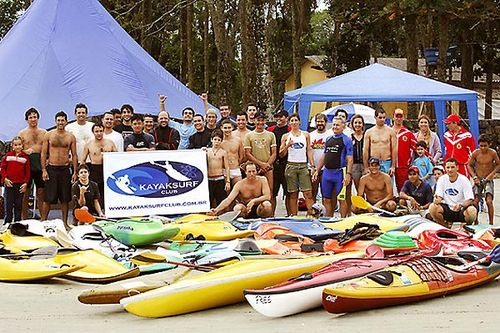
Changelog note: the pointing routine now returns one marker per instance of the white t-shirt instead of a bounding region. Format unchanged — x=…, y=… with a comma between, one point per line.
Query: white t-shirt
x=117, y=138
x=318, y=141
x=456, y=192
x=83, y=134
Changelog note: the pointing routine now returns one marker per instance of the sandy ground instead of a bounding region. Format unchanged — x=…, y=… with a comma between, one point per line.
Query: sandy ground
x=52, y=306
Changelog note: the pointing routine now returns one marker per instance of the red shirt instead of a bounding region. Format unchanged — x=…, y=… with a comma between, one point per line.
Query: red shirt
x=459, y=145
x=406, y=145
x=15, y=167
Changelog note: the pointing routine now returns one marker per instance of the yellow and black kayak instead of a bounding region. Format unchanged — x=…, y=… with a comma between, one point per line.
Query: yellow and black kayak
x=17, y=270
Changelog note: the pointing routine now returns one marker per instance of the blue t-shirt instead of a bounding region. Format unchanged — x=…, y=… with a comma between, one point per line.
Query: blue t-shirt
x=425, y=167
x=185, y=132
x=337, y=148
x=421, y=194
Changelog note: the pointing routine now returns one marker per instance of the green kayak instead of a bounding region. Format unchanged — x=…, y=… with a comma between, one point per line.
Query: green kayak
x=139, y=232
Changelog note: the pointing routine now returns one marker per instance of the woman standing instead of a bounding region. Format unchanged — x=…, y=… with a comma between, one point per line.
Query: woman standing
x=297, y=144
x=430, y=138
x=358, y=125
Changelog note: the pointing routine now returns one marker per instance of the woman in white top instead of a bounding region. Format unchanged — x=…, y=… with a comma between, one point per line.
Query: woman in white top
x=297, y=144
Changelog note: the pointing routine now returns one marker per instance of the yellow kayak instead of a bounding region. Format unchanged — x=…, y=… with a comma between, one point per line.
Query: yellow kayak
x=98, y=267
x=17, y=244
x=385, y=223
x=209, y=230
x=30, y=270
x=223, y=286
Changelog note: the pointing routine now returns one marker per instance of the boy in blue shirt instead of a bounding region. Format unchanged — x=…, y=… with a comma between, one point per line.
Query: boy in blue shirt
x=423, y=163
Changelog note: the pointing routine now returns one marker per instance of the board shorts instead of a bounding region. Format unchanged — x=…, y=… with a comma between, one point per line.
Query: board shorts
x=36, y=171
x=58, y=187
x=279, y=179
x=297, y=177
x=385, y=165
x=357, y=171
x=331, y=179
x=216, y=186
x=97, y=176
x=252, y=214
x=485, y=187
x=451, y=215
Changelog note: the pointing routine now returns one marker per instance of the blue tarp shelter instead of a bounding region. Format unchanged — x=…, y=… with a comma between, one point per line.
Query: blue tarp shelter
x=62, y=52
x=379, y=83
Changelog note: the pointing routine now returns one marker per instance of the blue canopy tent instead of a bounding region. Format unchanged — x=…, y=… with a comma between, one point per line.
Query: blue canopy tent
x=61, y=52
x=379, y=83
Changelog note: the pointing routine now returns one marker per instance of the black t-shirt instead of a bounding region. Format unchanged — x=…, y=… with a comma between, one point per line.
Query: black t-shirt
x=200, y=139
x=251, y=126
x=90, y=195
x=142, y=140
x=125, y=130
x=278, y=133
x=166, y=138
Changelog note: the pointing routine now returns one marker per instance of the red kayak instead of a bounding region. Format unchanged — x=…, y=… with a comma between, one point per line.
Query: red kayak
x=450, y=242
x=304, y=292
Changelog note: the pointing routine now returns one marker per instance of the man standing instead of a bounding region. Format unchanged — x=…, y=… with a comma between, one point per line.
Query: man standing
x=33, y=139
x=202, y=137
x=453, y=198
x=234, y=149
x=225, y=112
x=377, y=187
x=138, y=140
x=337, y=156
x=342, y=114
x=117, y=117
x=125, y=128
x=241, y=126
x=94, y=149
x=459, y=143
x=318, y=141
x=166, y=138
x=406, y=148
x=81, y=129
x=149, y=123
x=186, y=129
x=381, y=143
x=109, y=133
x=211, y=116
x=260, y=148
x=57, y=147
x=251, y=112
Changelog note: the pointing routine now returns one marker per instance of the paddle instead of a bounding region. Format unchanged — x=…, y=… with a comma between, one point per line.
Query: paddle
x=361, y=203
x=156, y=259
x=341, y=195
x=41, y=253
x=493, y=256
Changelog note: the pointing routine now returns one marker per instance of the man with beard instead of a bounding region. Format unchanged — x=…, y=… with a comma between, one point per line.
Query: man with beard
x=125, y=128
x=202, y=137
x=166, y=138
x=251, y=112
x=109, y=133
x=318, y=140
x=186, y=129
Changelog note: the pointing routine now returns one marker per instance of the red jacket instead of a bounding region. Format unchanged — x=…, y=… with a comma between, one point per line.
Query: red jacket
x=406, y=146
x=459, y=146
x=15, y=168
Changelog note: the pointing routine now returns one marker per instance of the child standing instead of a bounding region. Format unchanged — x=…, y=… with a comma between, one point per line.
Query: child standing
x=219, y=181
x=483, y=165
x=423, y=163
x=15, y=171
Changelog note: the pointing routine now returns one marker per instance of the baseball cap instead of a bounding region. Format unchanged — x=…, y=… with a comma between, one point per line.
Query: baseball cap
x=438, y=167
x=374, y=160
x=281, y=113
x=260, y=115
x=398, y=111
x=414, y=169
x=453, y=118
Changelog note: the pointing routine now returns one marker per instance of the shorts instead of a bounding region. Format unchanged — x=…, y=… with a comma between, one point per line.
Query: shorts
x=485, y=187
x=216, y=186
x=385, y=165
x=36, y=171
x=233, y=173
x=252, y=214
x=297, y=177
x=357, y=171
x=58, y=187
x=452, y=216
x=331, y=179
x=279, y=179
x=97, y=176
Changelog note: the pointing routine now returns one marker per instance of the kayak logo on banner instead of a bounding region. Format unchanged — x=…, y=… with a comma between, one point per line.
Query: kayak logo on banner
x=156, y=179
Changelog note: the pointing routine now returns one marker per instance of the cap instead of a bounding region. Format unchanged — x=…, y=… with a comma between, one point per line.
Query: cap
x=414, y=169
x=260, y=115
x=281, y=113
x=399, y=111
x=438, y=167
x=374, y=160
x=453, y=118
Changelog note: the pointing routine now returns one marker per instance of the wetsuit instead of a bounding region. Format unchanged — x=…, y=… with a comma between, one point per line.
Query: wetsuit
x=337, y=148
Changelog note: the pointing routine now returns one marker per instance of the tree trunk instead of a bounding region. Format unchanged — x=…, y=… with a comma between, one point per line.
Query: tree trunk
x=334, y=50
x=467, y=74
x=183, y=45
x=248, y=52
x=296, y=42
x=189, y=45
x=443, y=47
x=147, y=20
x=412, y=55
x=206, y=51
x=270, y=27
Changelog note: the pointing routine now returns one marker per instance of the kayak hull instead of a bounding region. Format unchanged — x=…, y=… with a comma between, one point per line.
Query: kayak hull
x=139, y=232
x=32, y=270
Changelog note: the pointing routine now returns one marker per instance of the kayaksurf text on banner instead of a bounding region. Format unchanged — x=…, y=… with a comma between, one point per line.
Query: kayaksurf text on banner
x=155, y=182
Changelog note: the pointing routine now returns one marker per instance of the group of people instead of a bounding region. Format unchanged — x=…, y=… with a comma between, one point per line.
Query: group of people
x=249, y=162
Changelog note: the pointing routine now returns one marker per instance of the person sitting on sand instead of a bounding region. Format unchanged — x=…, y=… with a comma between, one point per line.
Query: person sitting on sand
x=86, y=193
x=376, y=186
x=415, y=193
x=251, y=195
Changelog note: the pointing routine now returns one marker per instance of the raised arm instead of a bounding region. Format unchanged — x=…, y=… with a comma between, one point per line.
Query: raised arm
x=162, y=99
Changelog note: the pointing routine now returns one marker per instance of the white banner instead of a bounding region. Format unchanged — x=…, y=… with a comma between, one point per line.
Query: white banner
x=155, y=182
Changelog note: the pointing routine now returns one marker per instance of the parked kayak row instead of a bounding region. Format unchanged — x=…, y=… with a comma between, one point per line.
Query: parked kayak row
x=158, y=267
